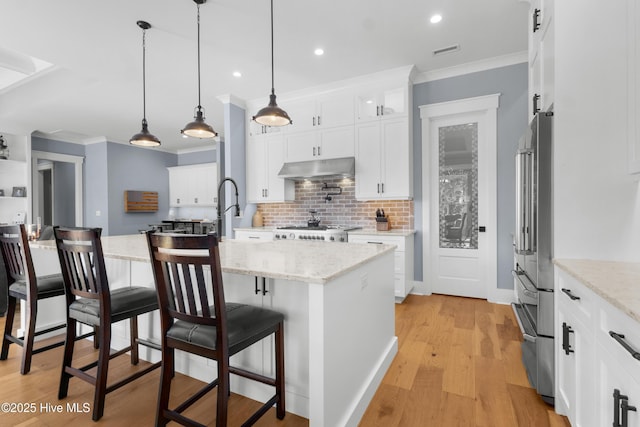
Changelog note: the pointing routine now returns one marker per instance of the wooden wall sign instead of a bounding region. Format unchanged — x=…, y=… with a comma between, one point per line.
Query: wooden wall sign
x=140, y=201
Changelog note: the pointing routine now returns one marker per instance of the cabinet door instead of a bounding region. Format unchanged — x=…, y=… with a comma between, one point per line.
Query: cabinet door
x=209, y=196
x=575, y=385
x=396, y=167
x=368, y=160
x=613, y=376
x=335, y=110
x=301, y=146
x=275, y=186
x=367, y=105
x=393, y=102
x=336, y=142
x=256, y=169
x=303, y=114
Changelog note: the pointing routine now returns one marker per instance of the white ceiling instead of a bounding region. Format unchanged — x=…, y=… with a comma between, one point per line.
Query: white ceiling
x=94, y=90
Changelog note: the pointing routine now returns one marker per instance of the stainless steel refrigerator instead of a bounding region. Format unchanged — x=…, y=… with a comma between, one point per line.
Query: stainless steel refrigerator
x=533, y=245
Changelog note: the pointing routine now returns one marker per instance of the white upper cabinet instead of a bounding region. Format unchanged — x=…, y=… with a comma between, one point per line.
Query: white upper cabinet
x=193, y=185
x=329, y=143
x=382, y=101
x=265, y=156
x=633, y=113
x=541, y=56
x=383, y=161
x=320, y=111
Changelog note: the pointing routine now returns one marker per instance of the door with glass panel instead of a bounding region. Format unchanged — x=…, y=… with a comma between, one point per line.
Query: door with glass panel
x=461, y=203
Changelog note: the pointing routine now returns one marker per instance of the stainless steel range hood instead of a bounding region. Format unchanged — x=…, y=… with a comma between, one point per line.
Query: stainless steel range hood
x=319, y=169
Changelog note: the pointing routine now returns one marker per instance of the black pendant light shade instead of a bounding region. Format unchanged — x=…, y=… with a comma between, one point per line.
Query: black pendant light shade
x=272, y=115
x=144, y=138
x=199, y=128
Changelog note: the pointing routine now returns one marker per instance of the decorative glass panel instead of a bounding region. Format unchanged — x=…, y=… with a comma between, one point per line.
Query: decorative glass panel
x=458, y=163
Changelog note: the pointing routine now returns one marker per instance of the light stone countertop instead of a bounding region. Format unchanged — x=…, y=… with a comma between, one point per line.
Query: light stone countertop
x=374, y=232
x=616, y=282
x=306, y=261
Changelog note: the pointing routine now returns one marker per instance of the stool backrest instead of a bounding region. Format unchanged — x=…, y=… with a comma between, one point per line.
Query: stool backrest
x=188, y=279
x=17, y=255
x=82, y=264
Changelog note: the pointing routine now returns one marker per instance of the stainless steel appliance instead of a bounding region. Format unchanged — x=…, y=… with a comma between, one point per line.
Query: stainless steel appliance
x=533, y=243
x=329, y=233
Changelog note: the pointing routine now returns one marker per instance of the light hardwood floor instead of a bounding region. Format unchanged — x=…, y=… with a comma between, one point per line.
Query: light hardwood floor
x=458, y=365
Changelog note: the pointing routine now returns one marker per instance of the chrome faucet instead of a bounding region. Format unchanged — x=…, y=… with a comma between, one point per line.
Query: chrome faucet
x=219, y=207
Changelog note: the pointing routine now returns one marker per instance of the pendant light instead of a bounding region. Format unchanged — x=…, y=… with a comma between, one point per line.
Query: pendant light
x=144, y=138
x=199, y=128
x=272, y=115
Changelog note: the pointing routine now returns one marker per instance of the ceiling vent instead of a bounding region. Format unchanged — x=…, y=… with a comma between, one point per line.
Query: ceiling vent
x=448, y=49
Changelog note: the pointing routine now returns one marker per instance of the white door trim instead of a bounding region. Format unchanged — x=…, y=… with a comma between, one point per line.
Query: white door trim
x=488, y=106
x=56, y=157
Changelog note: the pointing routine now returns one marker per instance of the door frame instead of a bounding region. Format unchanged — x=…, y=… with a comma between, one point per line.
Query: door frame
x=487, y=107
x=78, y=187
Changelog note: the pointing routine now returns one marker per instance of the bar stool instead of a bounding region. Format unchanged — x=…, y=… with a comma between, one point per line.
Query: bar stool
x=198, y=322
x=23, y=284
x=90, y=302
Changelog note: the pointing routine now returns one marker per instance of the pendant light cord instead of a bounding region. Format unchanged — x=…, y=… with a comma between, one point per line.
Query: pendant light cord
x=144, y=73
x=199, y=105
x=273, y=91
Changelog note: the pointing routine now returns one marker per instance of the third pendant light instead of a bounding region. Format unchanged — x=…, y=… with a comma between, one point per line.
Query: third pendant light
x=199, y=128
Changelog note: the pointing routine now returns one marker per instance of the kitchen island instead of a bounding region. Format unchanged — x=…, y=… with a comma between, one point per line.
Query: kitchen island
x=338, y=301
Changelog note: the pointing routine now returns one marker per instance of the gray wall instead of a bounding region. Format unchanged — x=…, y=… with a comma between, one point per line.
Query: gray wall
x=197, y=157
x=135, y=168
x=511, y=82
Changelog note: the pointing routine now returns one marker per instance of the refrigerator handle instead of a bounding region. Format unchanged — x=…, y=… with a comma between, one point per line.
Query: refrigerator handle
x=532, y=188
x=520, y=210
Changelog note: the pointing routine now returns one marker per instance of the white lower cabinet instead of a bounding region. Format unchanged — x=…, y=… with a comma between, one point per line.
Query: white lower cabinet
x=291, y=299
x=403, y=273
x=591, y=364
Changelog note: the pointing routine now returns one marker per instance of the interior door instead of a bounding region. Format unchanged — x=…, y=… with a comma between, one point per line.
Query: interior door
x=462, y=202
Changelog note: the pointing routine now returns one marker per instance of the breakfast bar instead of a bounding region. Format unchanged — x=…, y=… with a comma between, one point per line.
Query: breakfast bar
x=338, y=301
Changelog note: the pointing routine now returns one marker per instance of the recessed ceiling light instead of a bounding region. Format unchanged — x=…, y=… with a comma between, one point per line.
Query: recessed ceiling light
x=435, y=18
x=319, y=52
x=237, y=74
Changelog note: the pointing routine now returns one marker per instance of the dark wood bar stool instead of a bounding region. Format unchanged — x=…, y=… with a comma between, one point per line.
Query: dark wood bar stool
x=89, y=301
x=198, y=322
x=25, y=285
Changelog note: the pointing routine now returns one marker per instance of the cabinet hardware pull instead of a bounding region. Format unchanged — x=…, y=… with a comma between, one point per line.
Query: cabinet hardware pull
x=314, y=120
x=535, y=100
x=314, y=151
x=377, y=110
x=566, y=346
x=620, y=338
x=318, y=120
x=616, y=407
x=318, y=147
x=264, y=286
x=375, y=243
x=257, y=291
x=624, y=405
x=536, y=23
x=382, y=110
x=378, y=188
x=382, y=186
x=569, y=294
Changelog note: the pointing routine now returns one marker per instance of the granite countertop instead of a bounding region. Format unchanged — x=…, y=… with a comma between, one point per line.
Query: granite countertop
x=374, y=232
x=616, y=282
x=306, y=261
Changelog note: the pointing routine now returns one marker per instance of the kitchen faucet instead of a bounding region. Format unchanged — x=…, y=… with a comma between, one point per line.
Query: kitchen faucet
x=219, y=207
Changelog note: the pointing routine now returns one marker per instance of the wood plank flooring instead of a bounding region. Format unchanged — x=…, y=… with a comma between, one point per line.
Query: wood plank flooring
x=458, y=365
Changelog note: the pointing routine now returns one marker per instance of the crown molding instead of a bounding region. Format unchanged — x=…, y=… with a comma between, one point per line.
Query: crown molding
x=472, y=67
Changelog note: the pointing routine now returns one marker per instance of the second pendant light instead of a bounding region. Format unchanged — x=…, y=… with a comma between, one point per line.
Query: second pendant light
x=199, y=128
x=272, y=115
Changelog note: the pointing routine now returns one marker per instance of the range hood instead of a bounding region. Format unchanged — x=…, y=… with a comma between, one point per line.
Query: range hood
x=319, y=169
